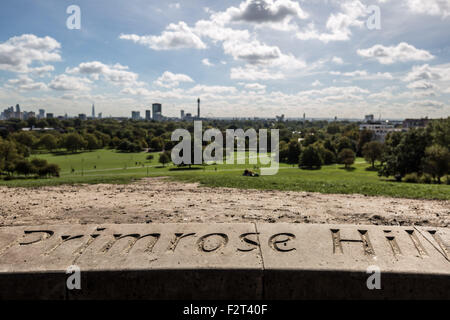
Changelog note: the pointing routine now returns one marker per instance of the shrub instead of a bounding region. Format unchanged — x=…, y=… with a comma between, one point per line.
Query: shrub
x=412, y=177
x=426, y=178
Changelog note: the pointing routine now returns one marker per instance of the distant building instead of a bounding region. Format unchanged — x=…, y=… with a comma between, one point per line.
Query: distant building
x=93, y=111
x=415, y=123
x=182, y=114
x=148, y=115
x=369, y=118
x=135, y=115
x=198, y=108
x=157, y=111
x=82, y=116
x=49, y=115
x=100, y=115
x=41, y=114
x=379, y=129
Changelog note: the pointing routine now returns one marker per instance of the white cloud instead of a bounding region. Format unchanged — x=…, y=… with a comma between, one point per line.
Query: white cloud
x=337, y=60
x=403, y=52
x=64, y=82
x=17, y=54
x=42, y=71
x=206, y=62
x=174, y=5
x=316, y=83
x=255, y=86
x=212, y=89
x=25, y=83
x=255, y=74
x=170, y=80
x=338, y=25
x=364, y=75
x=430, y=7
x=176, y=36
x=115, y=74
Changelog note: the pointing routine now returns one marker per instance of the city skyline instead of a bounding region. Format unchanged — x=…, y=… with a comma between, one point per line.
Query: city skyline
x=243, y=58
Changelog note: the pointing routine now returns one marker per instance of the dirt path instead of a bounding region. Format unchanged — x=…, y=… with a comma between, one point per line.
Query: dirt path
x=160, y=200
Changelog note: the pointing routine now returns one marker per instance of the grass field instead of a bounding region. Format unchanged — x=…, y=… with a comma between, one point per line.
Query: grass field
x=107, y=166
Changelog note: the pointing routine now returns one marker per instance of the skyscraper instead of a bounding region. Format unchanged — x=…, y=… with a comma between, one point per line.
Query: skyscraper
x=93, y=111
x=157, y=111
x=182, y=114
x=148, y=114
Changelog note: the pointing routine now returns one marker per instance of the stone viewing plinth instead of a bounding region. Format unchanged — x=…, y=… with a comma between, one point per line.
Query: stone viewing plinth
x=224, y=261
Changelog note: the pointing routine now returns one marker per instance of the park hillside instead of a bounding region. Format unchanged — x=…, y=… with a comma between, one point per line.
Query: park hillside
x=318, y=156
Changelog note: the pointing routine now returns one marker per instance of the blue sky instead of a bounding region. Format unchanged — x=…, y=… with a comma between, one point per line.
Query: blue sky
x=243, y=58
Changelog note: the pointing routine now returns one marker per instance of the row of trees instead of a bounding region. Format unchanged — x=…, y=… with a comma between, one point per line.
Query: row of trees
x=13, y=160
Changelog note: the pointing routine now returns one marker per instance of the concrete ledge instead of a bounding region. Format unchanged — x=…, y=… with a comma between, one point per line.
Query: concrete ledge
x=224, y=261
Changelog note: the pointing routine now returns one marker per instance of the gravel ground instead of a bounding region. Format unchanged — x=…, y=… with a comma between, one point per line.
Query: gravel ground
x=160, y=200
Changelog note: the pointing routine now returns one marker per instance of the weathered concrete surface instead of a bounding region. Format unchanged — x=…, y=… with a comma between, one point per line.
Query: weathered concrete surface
x=223, y=261
x=331, y=261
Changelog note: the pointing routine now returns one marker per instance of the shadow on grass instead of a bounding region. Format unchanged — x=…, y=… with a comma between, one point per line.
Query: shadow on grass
x=349, y=169
x=67, y=153
x=372, y=169
x=185, y=169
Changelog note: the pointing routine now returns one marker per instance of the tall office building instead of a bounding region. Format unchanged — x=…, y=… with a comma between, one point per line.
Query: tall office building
x=157, y=111
x=182, y=114
x=93, y=111
x=148, y=115
x=41, y=114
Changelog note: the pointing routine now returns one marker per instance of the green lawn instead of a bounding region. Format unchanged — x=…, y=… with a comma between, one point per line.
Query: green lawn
x=107, y=166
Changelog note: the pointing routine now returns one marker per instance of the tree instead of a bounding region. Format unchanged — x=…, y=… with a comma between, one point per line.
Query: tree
x=74, y=142
x=346, y=157
x=372, y=151
x=8, y=156
x=51, y=170
x=365, y=136
x=156, y=144
x=404, y=153
x=49, y=142
x=24, y=167
x=310, y=158
x=293, y=152
x=437, y=161
x=345, y=143
x=25, y=138
x=164, y=158
x=92, y=142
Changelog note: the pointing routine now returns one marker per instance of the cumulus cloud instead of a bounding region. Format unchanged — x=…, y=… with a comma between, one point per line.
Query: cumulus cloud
x=364, y=75
x=25, y=83
x=116, y=74
x=64, y=82
x=276, y=14
x=212, y=89
x=254, y=74
x=170, y=80
x=176, y=36
x=316, y=83
x=338, y=24
x=403, y=52
x=206, y=62
x=17, y=54
x=255, y=86
x=430, y=7
x=337, y=60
